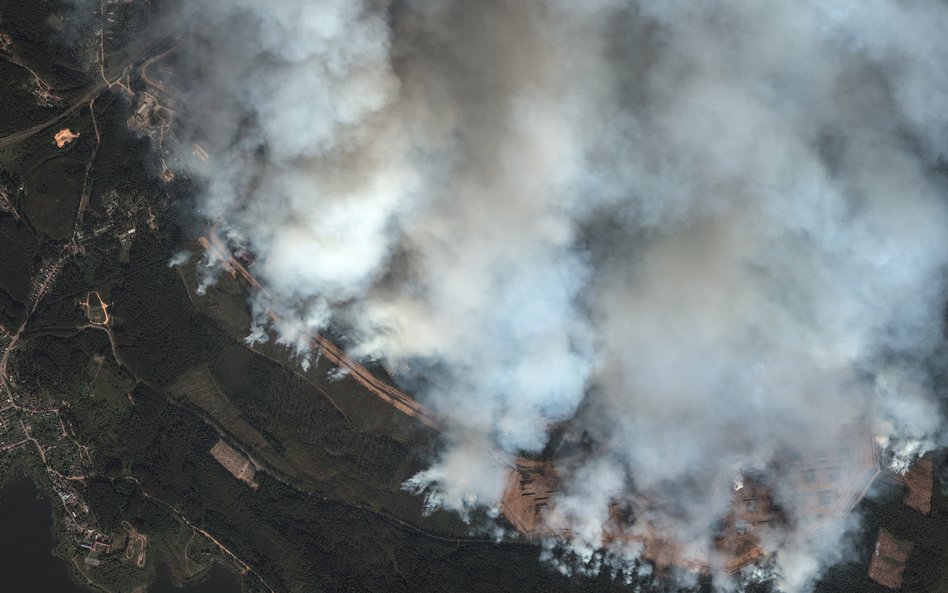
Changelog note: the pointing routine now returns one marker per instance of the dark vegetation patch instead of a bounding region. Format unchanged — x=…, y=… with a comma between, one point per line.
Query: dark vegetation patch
x=50, y=178
x=109, y=380
x=297, y=542
x=52, y=196
x=927, y=567
x=60, y=308
x=20, y=109
x=54, y=366
x=18, y=252
x=125, y=23
x=38, y=40
x=361, y=450
x=159, y=333
x=314, y=436
x=125, y=163
x=33, y=151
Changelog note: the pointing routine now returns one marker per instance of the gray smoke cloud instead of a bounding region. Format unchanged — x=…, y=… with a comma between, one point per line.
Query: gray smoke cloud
x=698, y=232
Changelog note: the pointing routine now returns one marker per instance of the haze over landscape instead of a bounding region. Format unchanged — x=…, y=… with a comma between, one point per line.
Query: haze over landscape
x=702, y=235
x=576, y=296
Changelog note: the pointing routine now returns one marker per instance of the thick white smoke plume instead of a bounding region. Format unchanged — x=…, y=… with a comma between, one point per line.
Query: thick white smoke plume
x=698, y=231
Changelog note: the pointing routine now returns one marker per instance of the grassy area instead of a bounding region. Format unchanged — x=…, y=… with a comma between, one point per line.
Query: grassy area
x=52, y=196
x=197, y=387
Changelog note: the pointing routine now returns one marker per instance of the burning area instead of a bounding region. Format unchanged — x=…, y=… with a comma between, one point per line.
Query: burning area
x=680, y=265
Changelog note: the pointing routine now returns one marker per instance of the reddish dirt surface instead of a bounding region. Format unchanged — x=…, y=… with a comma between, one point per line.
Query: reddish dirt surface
x=839, y=479
x=97, y=311
x=827, y=484
x=920, y=481
x=64, y=137
x=137, y=543
x=390, y=395
x=888, y=560
x=529, y=503
x=235, y=462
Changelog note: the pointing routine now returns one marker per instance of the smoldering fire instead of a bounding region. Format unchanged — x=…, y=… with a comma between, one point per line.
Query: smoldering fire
x=699, y=233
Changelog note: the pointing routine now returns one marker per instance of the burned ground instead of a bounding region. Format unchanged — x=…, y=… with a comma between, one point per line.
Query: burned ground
x=329, y=513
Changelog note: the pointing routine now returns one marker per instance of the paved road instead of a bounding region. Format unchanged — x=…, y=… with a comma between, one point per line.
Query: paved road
x=96, y=90
x=16, y=138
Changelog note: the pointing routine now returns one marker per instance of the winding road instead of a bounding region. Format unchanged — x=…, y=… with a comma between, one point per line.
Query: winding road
x=106, y=82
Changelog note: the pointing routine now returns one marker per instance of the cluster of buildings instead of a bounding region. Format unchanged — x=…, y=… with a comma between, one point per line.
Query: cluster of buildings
x=73, y=503
x=44, y=279
x=97, y=545
x=11, y=430
x=123, y=218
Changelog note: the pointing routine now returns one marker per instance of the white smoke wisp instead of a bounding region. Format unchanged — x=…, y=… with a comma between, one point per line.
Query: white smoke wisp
x=694, y=230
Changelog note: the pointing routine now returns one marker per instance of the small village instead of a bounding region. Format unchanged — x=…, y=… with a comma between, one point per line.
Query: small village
x=24, y=426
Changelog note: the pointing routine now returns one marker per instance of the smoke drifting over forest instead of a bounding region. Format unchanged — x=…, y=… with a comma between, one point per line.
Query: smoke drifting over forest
x=698, y=231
